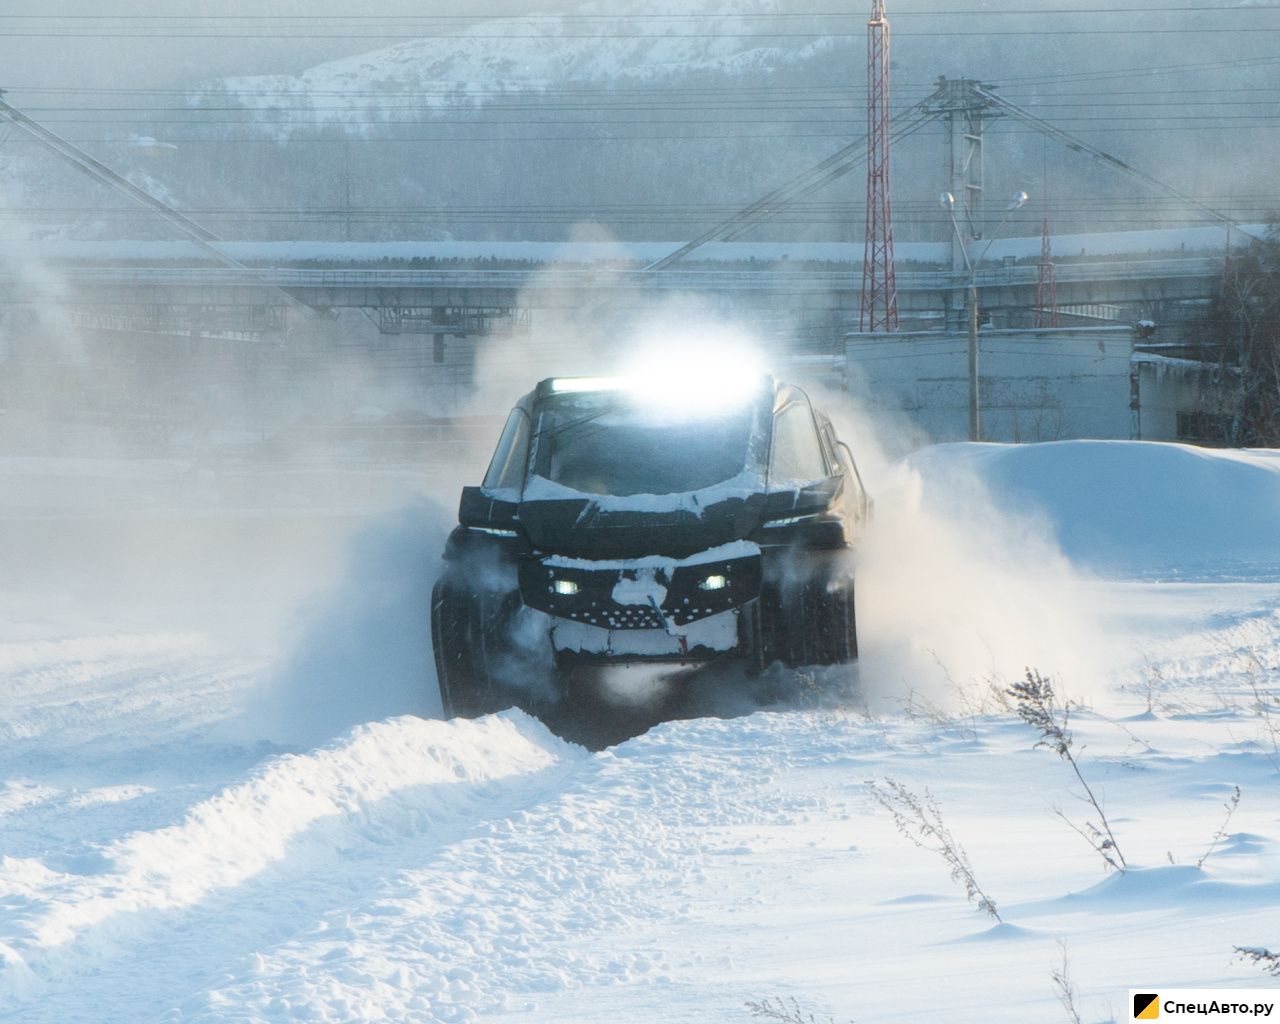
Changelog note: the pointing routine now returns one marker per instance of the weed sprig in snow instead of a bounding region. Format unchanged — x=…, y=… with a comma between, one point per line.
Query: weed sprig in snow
x=920, y=820
x=1037, y=705
x=782, y=1012
x=1064, y=987
x=1230, y=806
x=1263, y=957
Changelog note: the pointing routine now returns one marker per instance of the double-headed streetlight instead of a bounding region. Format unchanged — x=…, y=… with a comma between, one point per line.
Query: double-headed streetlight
x=949, y=204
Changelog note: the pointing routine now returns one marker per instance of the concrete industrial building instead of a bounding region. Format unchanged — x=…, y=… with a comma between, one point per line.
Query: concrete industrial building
x=1109, y=382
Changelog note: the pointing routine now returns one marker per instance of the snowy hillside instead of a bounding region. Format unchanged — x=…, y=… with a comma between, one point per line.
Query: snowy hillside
x=608, y=41
x=185, y=835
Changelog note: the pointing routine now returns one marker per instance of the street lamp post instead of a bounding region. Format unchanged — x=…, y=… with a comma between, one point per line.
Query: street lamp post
x=949, y=204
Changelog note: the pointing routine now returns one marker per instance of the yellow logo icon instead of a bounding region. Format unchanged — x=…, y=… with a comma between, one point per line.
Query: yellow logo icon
x=1146, y=1006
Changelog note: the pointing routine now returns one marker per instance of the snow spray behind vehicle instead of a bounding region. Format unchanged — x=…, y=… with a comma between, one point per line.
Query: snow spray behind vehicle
x=960, y=586
x=360, y=650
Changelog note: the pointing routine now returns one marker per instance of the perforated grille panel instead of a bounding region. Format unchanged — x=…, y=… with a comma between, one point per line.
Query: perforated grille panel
x=686, y=599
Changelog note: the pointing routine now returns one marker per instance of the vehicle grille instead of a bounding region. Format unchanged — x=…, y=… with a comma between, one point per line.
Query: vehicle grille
x=686, y=599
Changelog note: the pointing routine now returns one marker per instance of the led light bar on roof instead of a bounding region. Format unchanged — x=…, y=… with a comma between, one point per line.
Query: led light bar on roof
x=567, y=384
x=690, y=383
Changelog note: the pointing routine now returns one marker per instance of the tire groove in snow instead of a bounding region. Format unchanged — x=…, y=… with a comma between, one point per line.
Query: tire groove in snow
x=563, y=896
x=252, y=862
x=100, y=695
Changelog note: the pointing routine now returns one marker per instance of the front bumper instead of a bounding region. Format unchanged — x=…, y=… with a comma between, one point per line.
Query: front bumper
x=704, y=640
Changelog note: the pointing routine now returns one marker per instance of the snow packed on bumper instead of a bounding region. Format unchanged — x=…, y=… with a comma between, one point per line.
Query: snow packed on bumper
x=721, y=553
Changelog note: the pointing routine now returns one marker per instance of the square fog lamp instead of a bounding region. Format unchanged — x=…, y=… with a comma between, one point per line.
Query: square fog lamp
x=714, y=582
x=565, y=588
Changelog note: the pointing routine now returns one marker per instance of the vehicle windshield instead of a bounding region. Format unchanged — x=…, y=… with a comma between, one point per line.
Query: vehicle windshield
x=603, y=443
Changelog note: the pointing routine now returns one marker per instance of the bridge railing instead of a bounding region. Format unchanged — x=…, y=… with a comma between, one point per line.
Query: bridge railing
x=767, y=277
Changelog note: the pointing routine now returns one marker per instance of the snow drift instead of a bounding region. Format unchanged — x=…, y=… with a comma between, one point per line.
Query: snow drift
x=984, y=555
x=1134, y=508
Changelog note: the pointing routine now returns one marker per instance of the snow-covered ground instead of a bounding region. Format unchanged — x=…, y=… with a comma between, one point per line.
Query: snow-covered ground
x=212, y=812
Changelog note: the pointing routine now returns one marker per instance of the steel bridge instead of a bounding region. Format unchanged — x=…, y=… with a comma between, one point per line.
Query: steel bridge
x=469, y=299
x=221, y=292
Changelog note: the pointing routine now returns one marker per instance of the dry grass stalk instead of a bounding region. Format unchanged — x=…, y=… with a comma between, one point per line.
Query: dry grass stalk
x=1036, y=704
x=919, y=819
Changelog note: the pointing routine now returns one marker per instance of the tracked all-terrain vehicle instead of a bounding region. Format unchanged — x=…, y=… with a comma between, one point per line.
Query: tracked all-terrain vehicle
x=619, y=524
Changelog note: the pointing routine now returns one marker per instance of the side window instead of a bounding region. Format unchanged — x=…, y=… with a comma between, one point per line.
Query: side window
x=796, y=455
x=855, y=478
x=508, y=465
x=830, y=444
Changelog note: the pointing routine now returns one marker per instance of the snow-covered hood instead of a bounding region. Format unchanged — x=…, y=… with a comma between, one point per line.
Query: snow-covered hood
x=563, y=521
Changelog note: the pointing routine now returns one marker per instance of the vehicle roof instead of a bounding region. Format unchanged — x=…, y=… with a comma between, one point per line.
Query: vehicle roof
x=783, y=392
x=558, y=385
x=565, y=385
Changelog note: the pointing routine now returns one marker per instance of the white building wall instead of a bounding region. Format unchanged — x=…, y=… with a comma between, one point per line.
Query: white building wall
x=1181, y=399
x=1164, y=395
x=1042, y=385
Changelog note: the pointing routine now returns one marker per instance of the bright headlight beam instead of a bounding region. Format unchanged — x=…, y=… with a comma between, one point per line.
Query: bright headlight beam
x=565, y=588
x=714, y=582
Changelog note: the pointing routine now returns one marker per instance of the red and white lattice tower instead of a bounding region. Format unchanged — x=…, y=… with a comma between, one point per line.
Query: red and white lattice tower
x=879, y=286
x=1046, y=283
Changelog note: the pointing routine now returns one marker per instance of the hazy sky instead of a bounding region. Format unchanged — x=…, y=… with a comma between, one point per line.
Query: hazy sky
x=1155, y=81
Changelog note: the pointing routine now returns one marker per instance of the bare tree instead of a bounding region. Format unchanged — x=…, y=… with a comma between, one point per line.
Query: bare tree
x=1244, y=325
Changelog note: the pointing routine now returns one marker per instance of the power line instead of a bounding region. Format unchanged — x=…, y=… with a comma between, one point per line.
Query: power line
x=1095, y=75
x=622, y=94
x=647, y=16
x=617, y=122
x=1120, y=202
x=451, y=90
x=702, y=137
x=1112, y=101
x=1040, y=33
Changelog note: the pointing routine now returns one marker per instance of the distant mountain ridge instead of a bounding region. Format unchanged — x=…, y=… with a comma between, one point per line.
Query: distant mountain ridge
x=603, y=41
x=655, y=119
